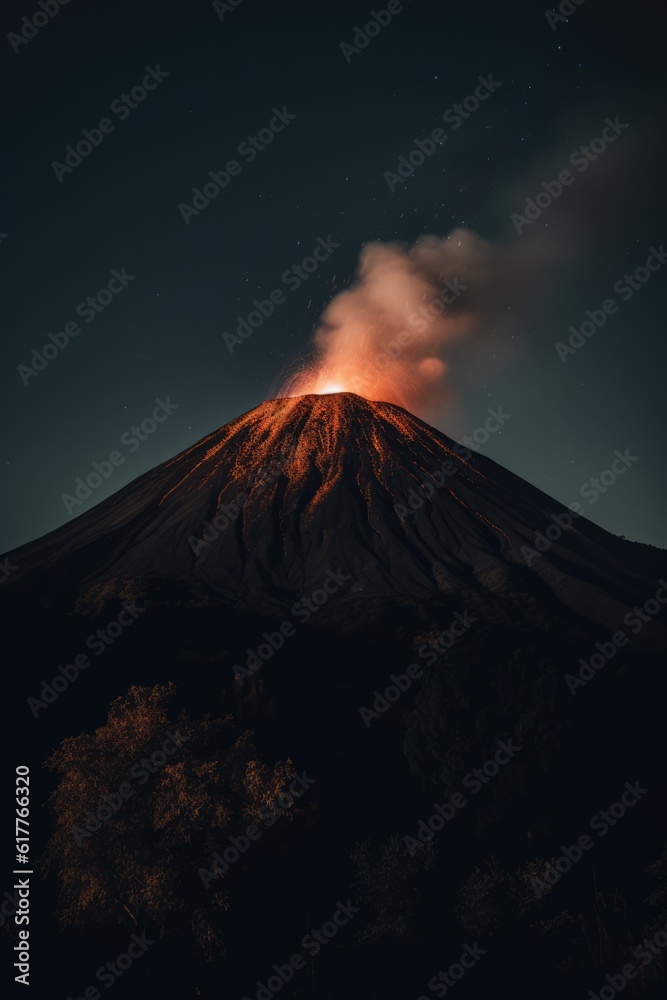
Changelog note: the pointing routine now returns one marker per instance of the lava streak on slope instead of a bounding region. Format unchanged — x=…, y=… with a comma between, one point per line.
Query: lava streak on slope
x=318, y=432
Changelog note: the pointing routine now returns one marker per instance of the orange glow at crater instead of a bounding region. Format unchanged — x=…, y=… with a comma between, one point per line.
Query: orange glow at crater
x=383, y=337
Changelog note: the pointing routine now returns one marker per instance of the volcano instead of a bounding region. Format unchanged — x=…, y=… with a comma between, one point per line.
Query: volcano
x=259, y=512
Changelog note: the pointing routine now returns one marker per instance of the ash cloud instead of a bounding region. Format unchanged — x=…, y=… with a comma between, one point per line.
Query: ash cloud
x=411, y=310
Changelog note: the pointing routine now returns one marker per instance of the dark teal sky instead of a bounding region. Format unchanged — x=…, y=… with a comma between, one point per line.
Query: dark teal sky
x=162, y=335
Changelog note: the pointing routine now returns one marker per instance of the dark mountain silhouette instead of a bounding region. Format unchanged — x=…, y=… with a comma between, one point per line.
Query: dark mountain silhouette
x=260, y=511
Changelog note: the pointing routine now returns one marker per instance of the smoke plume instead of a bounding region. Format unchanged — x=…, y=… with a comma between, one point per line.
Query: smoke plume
x=391, y=336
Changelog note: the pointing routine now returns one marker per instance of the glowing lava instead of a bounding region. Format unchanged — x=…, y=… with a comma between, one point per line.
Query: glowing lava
x=352, y=375
x=329, y=388
x=315, y=441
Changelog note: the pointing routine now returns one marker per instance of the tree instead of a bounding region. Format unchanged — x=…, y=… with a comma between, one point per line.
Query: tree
x=388, y=882
x=142, y=804
x=658, y=896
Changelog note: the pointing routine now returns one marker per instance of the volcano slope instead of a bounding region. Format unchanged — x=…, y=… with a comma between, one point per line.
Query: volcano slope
x=289, y=570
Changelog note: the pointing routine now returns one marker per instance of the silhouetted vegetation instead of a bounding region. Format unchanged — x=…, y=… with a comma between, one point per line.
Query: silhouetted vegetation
x=139, y=867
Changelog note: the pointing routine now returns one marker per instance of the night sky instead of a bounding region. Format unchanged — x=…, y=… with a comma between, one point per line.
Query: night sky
x=222, y=77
